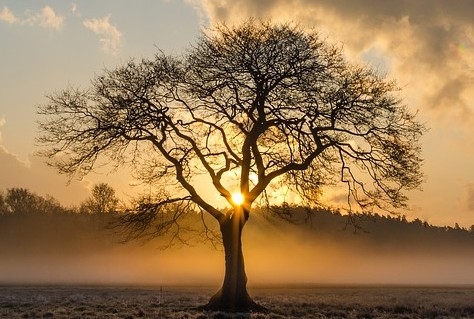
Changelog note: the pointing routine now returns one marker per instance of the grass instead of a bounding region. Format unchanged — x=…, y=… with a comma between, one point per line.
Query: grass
x=283, y=303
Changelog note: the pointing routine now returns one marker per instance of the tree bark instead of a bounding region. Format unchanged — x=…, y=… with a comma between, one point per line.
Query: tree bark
x=233, y=295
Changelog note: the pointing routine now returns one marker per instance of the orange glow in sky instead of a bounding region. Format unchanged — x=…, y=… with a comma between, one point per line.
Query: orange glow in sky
x=431, y=59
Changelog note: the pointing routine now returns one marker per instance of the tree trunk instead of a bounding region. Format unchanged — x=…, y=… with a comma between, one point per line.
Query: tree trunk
x=233, y=295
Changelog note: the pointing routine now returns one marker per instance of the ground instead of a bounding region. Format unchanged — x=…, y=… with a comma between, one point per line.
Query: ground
x=290, y=302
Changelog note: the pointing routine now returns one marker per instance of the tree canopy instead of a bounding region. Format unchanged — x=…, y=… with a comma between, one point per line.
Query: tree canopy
x=274, y=103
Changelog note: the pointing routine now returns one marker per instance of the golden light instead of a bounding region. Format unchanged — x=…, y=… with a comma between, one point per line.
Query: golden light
x=237, y=198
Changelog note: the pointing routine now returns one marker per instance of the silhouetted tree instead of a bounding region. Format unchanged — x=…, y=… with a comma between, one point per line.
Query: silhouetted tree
x=3, y=204
x=102, y=200
x=21, y=201
x=270, y=104
x=49, y=205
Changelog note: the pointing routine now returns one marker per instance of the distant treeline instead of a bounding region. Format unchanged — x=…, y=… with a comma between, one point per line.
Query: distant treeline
x=23, y=201
x=385, y=232
x=29, y=222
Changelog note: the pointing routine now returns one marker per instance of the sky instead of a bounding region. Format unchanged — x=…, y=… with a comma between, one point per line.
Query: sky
x=427, y=46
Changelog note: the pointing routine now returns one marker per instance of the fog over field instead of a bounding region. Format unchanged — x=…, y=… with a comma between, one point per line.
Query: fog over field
x=81, y=249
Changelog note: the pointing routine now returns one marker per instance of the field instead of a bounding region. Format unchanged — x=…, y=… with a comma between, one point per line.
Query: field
x=180, y=302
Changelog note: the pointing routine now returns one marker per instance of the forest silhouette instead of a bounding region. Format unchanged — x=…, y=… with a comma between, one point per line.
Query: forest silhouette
x=42, y=232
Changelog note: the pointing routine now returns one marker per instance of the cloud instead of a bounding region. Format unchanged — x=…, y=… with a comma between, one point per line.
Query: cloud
x=74, y=8
x=109, y=35
x=7, y=16
x=46, y=18
x=429, y=45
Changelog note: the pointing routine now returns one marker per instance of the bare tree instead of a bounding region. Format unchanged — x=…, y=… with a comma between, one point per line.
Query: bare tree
x=22, y=201
x=102, y=200
x=3, y=205
x=270, y=104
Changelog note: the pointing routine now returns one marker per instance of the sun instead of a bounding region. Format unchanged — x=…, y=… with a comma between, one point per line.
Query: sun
x=237, y=198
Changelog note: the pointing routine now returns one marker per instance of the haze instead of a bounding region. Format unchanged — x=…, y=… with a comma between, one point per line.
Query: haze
x=277, y=253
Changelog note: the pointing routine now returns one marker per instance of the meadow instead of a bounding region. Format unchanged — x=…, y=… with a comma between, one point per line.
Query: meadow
x=69, y=264
x=281, y=302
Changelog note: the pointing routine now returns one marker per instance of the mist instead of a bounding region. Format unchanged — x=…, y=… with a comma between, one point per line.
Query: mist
x=341, y=257
x=60, y=250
